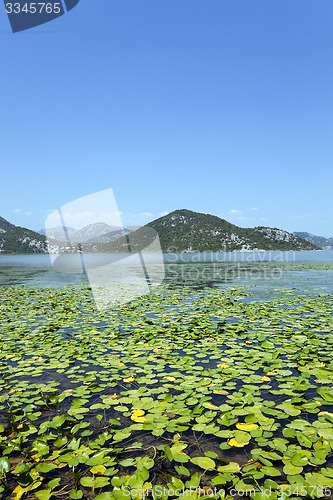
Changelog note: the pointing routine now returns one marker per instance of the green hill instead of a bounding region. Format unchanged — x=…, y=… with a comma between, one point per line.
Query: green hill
x=15, y=239
x=184, y=230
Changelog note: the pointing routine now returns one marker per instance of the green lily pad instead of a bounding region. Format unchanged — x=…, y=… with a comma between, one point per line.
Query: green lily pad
x=205, y=463
x=291, y=469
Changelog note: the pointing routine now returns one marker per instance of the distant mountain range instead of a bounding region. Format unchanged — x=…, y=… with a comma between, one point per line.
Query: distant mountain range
x=319, y=241
x=99, y=232
x=58, y=233
x=179, y=231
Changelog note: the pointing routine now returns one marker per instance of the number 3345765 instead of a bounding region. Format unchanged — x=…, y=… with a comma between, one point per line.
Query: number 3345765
x=33, y=8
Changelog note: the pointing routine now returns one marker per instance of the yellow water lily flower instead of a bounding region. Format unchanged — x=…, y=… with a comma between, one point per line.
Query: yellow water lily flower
x=246, y=427
x=98, y=469
x=237, y=444
x=138, y=416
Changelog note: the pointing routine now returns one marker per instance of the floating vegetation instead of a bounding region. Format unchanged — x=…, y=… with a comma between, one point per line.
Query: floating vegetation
x=179, y=394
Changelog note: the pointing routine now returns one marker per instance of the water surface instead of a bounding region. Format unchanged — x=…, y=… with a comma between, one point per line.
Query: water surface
x=258, y=271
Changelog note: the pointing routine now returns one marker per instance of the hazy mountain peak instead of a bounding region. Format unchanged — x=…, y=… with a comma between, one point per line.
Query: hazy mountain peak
x=93, y=232
x=58, y=232
x=320, y=241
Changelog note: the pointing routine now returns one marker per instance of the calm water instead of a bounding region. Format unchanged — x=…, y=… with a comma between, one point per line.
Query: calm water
x=259, y=271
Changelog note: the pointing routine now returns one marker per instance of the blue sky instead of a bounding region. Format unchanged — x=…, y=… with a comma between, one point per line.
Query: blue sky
x=219, y=106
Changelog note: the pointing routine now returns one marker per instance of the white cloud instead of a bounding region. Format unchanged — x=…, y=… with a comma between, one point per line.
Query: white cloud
x=254, y=209
x=17, y=210
x=235, y=211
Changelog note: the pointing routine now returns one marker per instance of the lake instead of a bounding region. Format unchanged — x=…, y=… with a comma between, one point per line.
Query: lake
x=221, y=379
x=258, y=271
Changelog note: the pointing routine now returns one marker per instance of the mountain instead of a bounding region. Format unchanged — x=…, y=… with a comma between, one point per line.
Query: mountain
x=179, y=231
x=95, y=238
x=319, y=241
x=184, y=230
x=57, y=233
x=15, y=239
x=98, y=232
x=4, y=225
